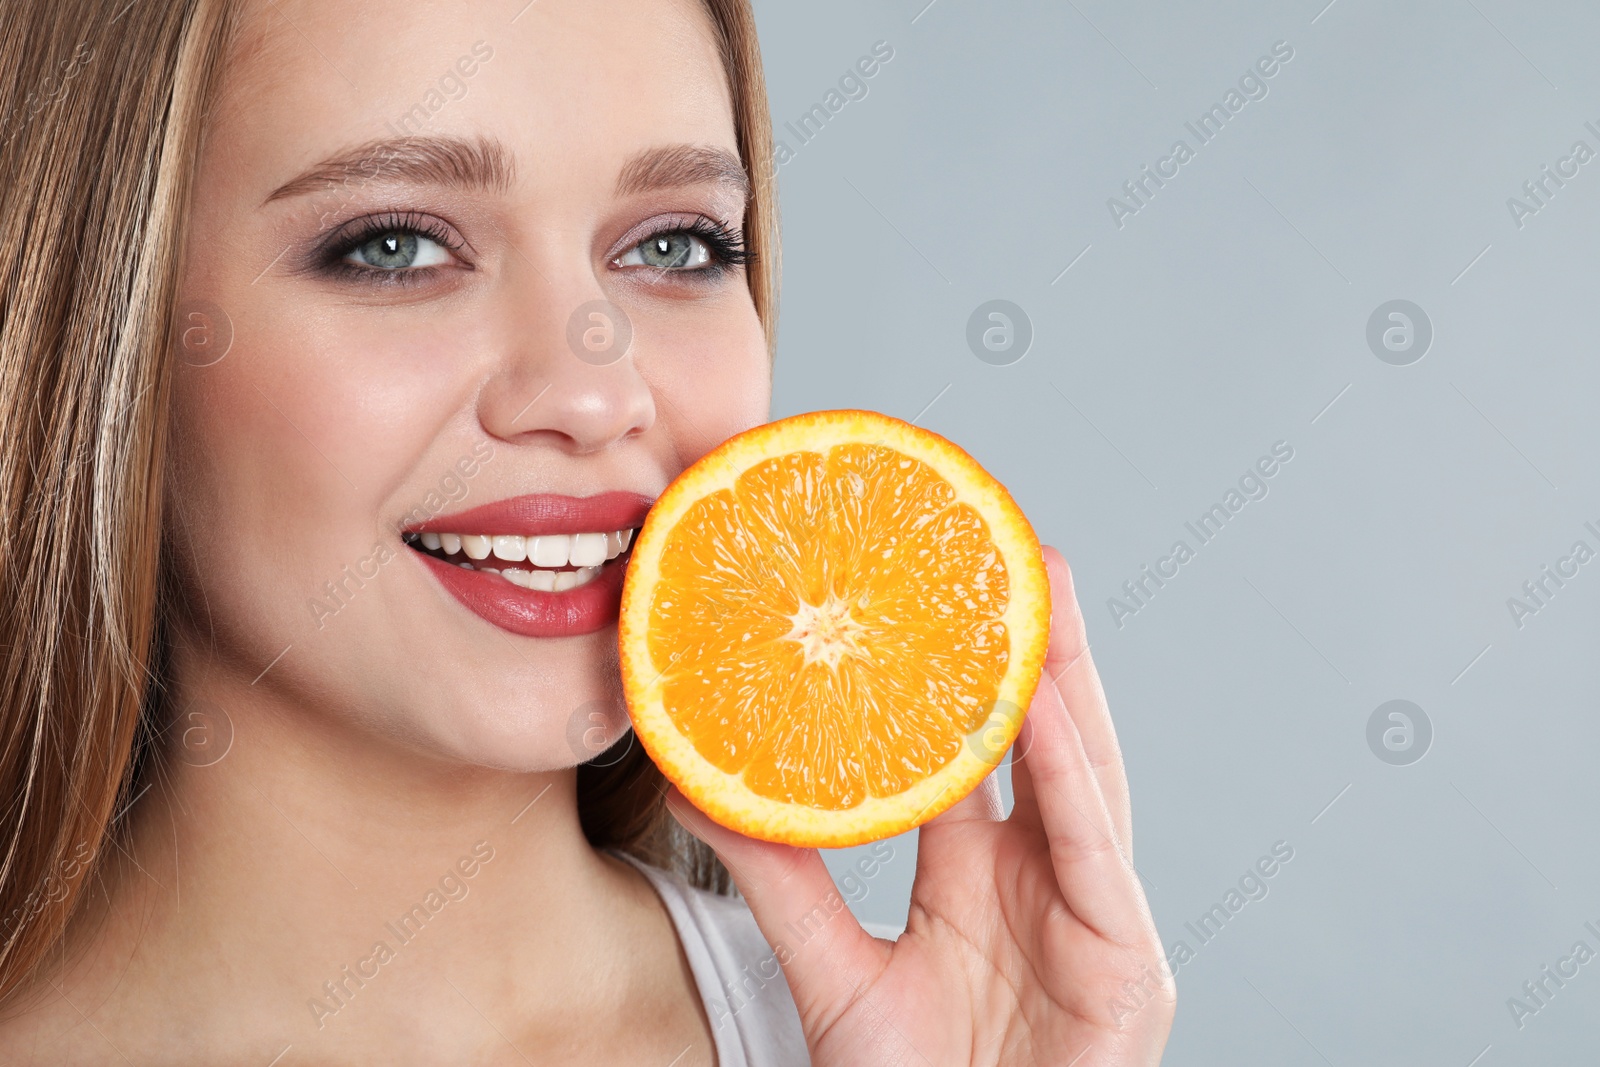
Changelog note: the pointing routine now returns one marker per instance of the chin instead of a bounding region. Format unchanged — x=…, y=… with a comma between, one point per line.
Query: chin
x=541, y=705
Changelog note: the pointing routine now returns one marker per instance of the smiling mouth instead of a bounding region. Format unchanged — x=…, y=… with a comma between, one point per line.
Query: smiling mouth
x=548, y=563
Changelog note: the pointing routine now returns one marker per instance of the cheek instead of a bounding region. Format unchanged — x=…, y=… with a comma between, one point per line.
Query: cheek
x=287, y=448
x=711, y=375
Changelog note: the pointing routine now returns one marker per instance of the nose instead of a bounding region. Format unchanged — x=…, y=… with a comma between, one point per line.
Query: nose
x=568, y=378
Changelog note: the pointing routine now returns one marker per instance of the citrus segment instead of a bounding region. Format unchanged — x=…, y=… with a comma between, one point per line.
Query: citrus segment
x=820, y=622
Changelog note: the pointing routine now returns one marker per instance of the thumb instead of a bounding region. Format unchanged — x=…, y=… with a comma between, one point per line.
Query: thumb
x=827, y=958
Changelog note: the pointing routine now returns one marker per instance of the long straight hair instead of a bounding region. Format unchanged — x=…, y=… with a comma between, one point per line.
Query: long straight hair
x=101, y=114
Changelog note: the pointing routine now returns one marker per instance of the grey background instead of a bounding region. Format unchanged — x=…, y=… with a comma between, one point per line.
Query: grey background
x=1226, y=315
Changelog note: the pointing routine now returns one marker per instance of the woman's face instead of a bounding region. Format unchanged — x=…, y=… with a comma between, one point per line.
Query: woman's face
x=505, y=334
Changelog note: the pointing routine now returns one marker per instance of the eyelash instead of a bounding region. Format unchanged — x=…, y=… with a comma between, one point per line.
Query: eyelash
x=725, y=243
x=334, y=263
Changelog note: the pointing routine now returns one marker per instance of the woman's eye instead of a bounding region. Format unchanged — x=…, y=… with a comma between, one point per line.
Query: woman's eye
x=399, y=250
x=679, y=250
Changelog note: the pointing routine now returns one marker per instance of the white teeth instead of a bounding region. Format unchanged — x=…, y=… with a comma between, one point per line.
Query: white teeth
x=588, y=550
x=545, y=551
x=518, y=576
x=542, y=580
x=572, y=579
x=549, y=550
x=511, y=547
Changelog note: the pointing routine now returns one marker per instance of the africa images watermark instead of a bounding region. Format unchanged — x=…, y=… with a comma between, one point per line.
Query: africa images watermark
x=452, y=489
x=1538, y=992
x=1538, y=591
x=1538, y=191
x=452, y=887
x=53, y=88
x=852, y=888
x=1251, y=886
x=1140, y=591
x=852, y=86
x=451, y=85
x=1399, y=732
x=52, y=889
x=1252, y=85
x=410, y=123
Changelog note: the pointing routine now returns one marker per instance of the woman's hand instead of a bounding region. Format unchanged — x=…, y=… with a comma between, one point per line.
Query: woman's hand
x=1029, y=940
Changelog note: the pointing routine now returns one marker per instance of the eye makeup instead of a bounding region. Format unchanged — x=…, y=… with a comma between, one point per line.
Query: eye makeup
x=387, y=235
x=697, y=244
x=407, y=248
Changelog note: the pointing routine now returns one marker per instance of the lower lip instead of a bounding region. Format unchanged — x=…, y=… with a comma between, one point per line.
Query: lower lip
x=529, y=612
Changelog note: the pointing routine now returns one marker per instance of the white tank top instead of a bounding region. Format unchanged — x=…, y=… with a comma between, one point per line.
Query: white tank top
x=752, y=1014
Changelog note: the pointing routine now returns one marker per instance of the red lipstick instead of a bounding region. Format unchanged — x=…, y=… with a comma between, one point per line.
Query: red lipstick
x=502, y=602
x=544, y=513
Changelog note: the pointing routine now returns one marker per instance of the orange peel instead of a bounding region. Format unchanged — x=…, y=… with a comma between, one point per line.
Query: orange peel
x=831, y=626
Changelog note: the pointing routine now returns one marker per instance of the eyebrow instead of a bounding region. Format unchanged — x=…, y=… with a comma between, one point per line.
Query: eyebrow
x=480, y=162
x=675, y=166
x=485, y=163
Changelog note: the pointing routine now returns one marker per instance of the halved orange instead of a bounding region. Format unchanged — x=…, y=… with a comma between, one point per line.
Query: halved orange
x=830, y=626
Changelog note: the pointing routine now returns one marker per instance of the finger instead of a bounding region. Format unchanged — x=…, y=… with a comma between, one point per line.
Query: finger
x=825, y=954
x=982, y=805
x=945, y=842
x=1070, y=668
x=1055, y=789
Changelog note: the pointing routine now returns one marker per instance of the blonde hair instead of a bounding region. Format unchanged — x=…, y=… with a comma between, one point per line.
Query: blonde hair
x=101, y=117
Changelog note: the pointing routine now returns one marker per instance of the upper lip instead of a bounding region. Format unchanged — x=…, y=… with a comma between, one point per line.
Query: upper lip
x=544, y=513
